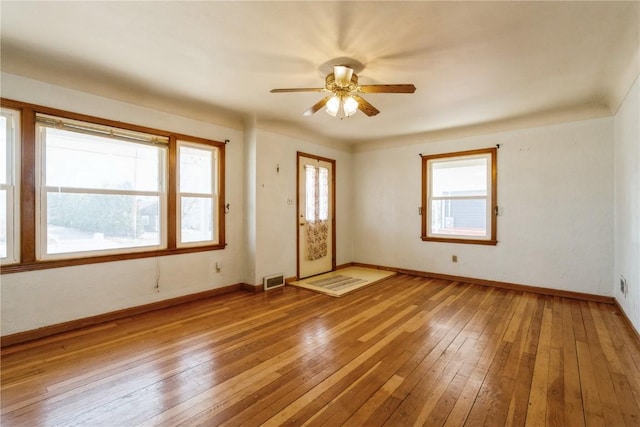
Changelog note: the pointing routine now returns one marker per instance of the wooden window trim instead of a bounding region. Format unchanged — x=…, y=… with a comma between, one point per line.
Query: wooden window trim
x=216, y=189
x=28, y=214
x=492, y=241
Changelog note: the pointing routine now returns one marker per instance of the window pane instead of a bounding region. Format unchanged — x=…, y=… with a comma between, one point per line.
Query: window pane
x=87, y=161
x=4, y=146
x=196, y=219
x=3, y=223
x=466, y=217
x=9, y=161
x=323, y=194
x=195, y=170
x=88, y=222
x=3, y=180
x=310, y=192
x=463, y=177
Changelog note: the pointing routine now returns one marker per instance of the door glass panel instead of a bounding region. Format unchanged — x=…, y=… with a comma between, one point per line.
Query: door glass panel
x=310, y=191
x=323, y=197
x=317, y=193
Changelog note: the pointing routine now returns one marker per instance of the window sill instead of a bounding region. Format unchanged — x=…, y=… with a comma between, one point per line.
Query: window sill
x=457, y=240
x=43, y=265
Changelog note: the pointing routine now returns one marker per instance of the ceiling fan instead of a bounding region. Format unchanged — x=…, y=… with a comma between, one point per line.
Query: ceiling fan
x=344, y=98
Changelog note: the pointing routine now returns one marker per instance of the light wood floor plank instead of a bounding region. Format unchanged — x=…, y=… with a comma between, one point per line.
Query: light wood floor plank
x=405, y=351
x=591, y=403
x=573, y=406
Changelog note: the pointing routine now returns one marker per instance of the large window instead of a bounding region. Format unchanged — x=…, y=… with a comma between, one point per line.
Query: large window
x=9, y=194
x=459, y=197
x=95, y=190
x=101, y=190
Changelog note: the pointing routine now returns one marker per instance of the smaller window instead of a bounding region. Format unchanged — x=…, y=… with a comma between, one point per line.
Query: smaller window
x=198, y=192
x=459, y=197
x=9, y=188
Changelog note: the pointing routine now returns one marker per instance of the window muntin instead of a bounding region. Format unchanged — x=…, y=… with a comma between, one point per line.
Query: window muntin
x=99, y=191
x=198, y=194
x=9, y=188
x=459, y=197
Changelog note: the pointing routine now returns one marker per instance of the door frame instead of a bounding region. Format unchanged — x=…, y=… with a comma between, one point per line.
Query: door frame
x=332, y=211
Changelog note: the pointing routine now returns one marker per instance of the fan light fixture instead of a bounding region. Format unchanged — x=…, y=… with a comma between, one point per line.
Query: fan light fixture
x=345, y=106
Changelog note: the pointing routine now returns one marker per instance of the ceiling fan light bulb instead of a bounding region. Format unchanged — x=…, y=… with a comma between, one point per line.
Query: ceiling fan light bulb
x=333, y=106
x=350, y=106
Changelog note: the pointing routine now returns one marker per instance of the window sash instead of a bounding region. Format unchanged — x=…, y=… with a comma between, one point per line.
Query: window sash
x=92, y=243
x=11, y=188
x=458, y=231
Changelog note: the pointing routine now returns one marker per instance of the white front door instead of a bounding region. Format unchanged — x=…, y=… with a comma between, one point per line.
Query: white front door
x=316, y=215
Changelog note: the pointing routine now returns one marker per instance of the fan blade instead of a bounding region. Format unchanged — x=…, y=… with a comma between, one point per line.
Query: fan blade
x=365, y=107
x=317, y=106
x=387, y=88
x=299, y=89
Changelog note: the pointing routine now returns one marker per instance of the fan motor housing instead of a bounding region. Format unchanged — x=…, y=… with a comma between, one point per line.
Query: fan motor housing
x=331, y=85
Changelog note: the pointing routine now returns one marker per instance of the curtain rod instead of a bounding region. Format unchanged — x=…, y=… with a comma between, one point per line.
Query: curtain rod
x=98, y=130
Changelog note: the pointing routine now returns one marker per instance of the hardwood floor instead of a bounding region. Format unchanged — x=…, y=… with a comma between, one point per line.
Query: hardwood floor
x=406, y=351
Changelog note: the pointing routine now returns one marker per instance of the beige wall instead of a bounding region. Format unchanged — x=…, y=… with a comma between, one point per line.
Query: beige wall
x=555, y=190
x=276, y=220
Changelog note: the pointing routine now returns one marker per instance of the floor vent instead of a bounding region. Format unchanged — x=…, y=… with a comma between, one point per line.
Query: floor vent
x=273, y=281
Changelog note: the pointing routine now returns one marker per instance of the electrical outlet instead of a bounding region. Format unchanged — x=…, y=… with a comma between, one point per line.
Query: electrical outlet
x=623, y=286
x=454, y=258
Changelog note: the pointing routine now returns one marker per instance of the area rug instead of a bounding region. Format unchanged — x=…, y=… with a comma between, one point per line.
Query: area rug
x=341, y=282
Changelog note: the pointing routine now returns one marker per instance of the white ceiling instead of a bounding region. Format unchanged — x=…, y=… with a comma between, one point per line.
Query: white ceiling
x=473, y=63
